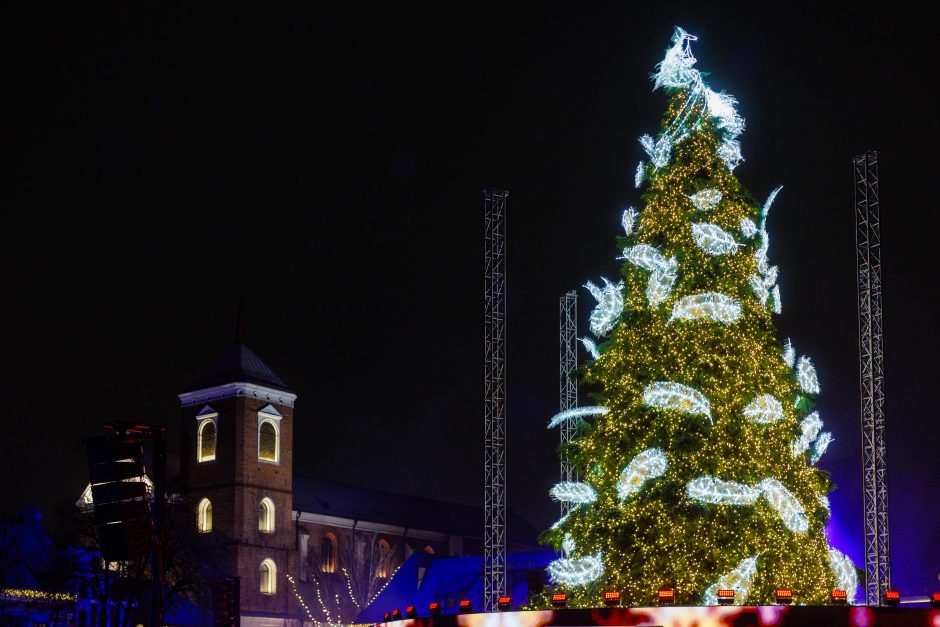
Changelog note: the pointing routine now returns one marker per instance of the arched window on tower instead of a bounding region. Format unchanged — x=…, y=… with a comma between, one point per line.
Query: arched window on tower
x=268, y=577
x=204, y=516
x=205, y=444
x=384, y=555
x=328, y=553
x=268, y=449
x=266, y=516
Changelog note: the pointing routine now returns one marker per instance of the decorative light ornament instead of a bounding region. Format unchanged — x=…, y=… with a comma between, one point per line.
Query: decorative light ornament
x=770, y=277
x=711, y=305
x=567, y=545
x=640, y=174
x=785, y=504
x=809, y=429
x=708, y=489
x=824, y=501
x=730, y=153
x=590, y=347
x=577, y=571
x=628, y=220
x=722, y=106
x=764, y=409
x=789, y=354
x=576, y=412
x=760, y=255
x=806, y=375
x=706, y=199
x=713, y=240
x=822, y=443
x=775, y=305
x=675, y=70
x=760, y=290
x=573, y=492
x=558, y=523
x=609, y=305
x=643, y=255
x=670, y=395
x=748, y=228
x=660, y=283
x=740, y=579
x=766, y=208
x=647, y=465
x=659, y=151
x=844, y=570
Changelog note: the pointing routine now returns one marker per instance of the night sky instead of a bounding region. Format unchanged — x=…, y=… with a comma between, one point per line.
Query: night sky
x=326, y=162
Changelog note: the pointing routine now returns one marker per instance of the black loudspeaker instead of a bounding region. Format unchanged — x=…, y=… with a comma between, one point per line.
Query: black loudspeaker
x=536, y=582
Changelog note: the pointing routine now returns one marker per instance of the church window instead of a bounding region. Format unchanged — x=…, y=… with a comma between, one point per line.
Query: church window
x=328, y=553
x=268, y=577
x=205, y=446
x=204, y=516
x=268, y=441
x=266, y=516
x=384, y=559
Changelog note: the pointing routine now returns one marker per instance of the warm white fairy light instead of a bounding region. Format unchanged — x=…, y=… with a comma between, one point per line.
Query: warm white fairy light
x=639, y=175
x=740, y=579
x=349, y=587
x=713, y=240
x=609, y=306
x=764, y=409
x=628, y=220
x=822, y=443
x=789, y=353
x=387, y=581
x=806, y=375
x=748, y=228
x=785, y=504
x=590, y=347
x=573, y=492
x=809, y=429
x=577, y=412
x=709, y=489
x=647, y=465
x=710, y=306
x=671, y=395
x=706, y=199
x=301, y=601
x=846, y=575
x=577, y=571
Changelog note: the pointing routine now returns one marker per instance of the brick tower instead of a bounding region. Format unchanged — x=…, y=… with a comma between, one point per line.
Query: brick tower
x=236, y=473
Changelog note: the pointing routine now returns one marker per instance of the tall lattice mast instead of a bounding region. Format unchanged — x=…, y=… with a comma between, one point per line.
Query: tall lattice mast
x=567, y=381
x=494, y=397
x=871, y=378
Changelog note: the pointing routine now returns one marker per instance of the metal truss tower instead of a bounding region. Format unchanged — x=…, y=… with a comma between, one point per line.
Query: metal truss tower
x=567, y=381
x=494, y=397
x=871, y=378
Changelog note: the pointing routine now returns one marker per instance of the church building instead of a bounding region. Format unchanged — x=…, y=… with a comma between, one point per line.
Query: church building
x=304, y=550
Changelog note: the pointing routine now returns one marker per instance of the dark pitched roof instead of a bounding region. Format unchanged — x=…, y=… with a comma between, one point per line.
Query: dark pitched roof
x=402, y=510
x=238, y=364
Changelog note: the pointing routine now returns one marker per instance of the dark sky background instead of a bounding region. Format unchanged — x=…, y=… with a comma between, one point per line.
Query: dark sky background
x=327, y=161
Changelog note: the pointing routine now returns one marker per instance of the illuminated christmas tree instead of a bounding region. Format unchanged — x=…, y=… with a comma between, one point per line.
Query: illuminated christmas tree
x=697, y=465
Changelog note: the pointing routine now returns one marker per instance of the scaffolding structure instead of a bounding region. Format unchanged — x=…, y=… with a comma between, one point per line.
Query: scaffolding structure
x=567, y=380
x=871, y=378
x=494, y=397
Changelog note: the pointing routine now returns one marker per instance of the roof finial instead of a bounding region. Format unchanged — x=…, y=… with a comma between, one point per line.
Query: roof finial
x=240, y=321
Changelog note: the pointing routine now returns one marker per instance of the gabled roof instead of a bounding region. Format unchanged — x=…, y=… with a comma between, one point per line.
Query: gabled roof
x=317, y=496
x=238, y=364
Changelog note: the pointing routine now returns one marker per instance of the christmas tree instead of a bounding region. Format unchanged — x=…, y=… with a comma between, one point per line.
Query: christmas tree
x=697, y=465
